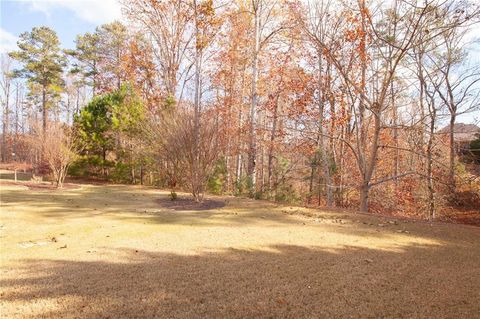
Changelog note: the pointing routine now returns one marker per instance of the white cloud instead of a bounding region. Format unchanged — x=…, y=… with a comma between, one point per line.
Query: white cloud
x=8, y=42
x=93, y=11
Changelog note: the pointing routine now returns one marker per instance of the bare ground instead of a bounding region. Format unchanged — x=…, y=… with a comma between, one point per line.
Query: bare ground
x=123, y=252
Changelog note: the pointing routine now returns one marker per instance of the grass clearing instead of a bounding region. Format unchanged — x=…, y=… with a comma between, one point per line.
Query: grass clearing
x=123, y=251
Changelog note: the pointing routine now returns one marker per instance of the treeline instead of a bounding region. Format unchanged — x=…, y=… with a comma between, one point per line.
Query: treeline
x=322, y=102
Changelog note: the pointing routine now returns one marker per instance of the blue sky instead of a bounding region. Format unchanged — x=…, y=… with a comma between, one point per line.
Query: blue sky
x=67, y=17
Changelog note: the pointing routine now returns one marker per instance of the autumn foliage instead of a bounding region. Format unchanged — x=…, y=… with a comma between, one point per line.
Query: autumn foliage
x=327, y=103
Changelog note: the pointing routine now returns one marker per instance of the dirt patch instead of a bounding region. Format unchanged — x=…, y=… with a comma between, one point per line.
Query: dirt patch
x=186, y=203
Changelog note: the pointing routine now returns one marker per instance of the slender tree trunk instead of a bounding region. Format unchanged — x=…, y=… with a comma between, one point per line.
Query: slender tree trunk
x=431, y=126
x=431, y=191
x=310, y=184
x=17, y=107
x=68, y=107
x=272, y=141
x=77, y=103
x=238, y=174
x=94, y=78
x=452, y=152
x=104, y=157
x=228, y=176
x=6, y=122
x=252, y=152
x=321, y=139
x=44, y=109
x=340, y=167
x=396, y=161
x=262, y=154
x=367, y=166
x=196, y=126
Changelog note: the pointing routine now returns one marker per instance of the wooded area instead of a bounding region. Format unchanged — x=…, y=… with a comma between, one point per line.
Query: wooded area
x=321, y=102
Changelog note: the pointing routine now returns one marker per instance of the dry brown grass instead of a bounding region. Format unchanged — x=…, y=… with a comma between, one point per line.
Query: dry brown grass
x=114, y=252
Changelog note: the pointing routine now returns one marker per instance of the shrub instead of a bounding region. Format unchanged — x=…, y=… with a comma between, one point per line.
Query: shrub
x=121, y=173
x=287, y=194
x=217, y=181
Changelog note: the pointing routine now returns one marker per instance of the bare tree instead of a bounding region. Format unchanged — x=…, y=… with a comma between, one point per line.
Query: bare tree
x=371, y=42
x=190, y=157
x=5, y=84
x=427, y=101
x=320, y=29
x=167, y=25
x=459, y=85
x=58, y=146
x=264, y=28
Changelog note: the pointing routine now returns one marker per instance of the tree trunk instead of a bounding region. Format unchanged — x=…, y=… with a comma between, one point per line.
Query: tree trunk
x=44, y=109
x=196, y=104
x=364, y=190
x=340, y=196
x=272, y=141
x=310, y=184
x=94, y=78
x=431, y=191
x=6, y=124
x=321, y=138
x=238, y=173
x=17, y=107
x=370, y=165
x=104, y=157
x=396, y=162
x=252, y=152
x=452, y=153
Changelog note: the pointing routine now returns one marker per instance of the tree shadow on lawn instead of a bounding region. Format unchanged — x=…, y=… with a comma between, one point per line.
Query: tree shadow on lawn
x=144, y=205
x=138, y=204
x=277, y=282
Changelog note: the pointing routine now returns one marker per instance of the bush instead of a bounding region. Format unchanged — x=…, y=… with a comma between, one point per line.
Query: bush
x=88, y=166
x=121, y=173
x=475, y=150
x=217, y=180
x=287, y=194
x=240, y=186
x=258, y=195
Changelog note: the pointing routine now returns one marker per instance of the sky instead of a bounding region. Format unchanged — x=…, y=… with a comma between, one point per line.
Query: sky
x=67, y=17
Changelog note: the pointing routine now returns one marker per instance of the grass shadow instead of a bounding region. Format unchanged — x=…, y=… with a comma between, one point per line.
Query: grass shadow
x=282, y=281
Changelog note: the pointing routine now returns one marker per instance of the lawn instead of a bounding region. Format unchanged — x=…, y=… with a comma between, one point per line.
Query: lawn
x=129, y=252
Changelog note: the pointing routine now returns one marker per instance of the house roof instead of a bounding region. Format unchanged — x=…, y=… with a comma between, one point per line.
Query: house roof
x=463, y=132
